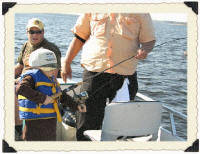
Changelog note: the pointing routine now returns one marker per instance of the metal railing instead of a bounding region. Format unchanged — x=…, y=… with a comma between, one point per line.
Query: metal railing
x=171, y=112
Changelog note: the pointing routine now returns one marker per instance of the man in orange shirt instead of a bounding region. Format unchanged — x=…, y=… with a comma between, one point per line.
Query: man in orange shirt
x=108, y=39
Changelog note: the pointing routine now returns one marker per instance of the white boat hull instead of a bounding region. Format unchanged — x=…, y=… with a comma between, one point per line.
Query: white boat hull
x=68, y=133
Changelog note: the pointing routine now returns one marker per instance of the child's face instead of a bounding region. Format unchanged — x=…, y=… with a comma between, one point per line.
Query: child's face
x=50, y=73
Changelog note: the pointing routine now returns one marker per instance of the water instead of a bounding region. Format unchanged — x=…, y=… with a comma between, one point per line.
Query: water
x=162, y=76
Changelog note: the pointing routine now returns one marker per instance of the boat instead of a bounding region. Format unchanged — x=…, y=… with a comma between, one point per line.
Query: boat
x=68, y=133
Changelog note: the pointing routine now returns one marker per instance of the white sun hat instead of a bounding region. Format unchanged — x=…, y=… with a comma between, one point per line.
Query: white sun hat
x=43, y=59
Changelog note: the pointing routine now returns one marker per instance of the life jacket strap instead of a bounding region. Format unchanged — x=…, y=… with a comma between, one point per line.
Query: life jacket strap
x=37, y=110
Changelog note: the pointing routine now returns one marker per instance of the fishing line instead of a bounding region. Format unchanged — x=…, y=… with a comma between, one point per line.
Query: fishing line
x=98, y=89
x=175, y=39
x=80, y=83
x=84, y=81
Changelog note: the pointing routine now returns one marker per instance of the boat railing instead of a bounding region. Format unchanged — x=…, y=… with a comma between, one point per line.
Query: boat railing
x=171, y=112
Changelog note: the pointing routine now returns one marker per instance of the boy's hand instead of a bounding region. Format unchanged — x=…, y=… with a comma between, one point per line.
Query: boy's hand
x=82, y=108
x=48, y=100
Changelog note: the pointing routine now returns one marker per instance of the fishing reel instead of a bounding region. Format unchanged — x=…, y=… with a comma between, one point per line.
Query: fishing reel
x=78, y=98
x=70, y=116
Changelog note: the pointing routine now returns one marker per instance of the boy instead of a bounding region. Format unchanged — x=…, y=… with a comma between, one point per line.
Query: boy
x=37, y=107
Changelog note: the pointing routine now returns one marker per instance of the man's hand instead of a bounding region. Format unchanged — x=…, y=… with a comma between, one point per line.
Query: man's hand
x=82, y=108
x=74, y=47
x=141, y=54
x=66, y=72
x=18, y=70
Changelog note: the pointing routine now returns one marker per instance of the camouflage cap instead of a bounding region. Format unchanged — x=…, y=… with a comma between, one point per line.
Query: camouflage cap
x=35, y=22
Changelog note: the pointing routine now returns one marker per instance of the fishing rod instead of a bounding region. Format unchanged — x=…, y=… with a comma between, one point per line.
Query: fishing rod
x=175, y=39
x=69, y=116
x=81, y=82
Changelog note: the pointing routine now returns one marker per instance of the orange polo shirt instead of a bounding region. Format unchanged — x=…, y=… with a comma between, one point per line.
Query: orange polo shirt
x=112, y=38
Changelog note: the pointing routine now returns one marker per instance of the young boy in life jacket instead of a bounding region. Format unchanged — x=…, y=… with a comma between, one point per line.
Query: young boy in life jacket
x=38, y=108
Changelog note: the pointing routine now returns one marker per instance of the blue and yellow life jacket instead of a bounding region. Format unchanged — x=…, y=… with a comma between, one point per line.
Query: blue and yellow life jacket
x=29, y=110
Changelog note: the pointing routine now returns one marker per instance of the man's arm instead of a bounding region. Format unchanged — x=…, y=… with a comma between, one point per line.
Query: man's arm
x=146, y=36
x=20, y=66
x=72, y=51
x=145, y=49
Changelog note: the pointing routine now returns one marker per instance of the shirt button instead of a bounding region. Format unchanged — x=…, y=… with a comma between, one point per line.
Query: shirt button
x=110, y=45
x=112, y=31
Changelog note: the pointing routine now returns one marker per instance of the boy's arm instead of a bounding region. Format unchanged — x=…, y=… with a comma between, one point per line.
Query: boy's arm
x=26, y=88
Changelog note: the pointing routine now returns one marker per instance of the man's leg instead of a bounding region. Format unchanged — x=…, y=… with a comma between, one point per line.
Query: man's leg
x=99, y=89
x=133, y=85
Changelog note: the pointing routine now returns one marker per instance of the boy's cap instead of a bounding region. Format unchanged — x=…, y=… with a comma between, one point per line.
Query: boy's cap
x=35, y=22
x=44, y=59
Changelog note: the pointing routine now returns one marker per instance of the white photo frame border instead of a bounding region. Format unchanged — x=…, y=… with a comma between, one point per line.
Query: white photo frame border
x=99, y=146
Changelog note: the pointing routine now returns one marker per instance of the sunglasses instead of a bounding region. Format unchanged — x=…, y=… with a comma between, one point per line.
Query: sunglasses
x=35, y=32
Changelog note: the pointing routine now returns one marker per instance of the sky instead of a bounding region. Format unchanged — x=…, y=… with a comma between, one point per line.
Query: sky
x=179, y=17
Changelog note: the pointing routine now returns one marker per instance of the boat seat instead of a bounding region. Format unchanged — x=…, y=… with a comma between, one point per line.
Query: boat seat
x=95, y=135
x=135, y=121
